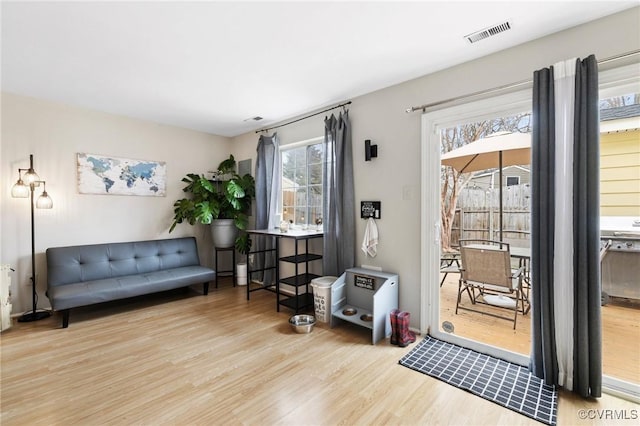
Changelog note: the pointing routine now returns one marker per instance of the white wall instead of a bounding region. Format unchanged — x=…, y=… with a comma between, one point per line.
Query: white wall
x=54, y=134
x=394, y=177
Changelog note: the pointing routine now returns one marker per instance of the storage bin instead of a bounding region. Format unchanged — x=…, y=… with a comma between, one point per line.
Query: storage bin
x=322, y=297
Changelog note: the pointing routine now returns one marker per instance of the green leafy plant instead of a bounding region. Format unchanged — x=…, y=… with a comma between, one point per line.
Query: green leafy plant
x=227, y=196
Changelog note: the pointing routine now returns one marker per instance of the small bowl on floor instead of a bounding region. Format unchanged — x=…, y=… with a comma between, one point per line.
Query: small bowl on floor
x=302, y=323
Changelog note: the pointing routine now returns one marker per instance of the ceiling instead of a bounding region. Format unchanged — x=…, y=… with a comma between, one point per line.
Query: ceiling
x=210, y=66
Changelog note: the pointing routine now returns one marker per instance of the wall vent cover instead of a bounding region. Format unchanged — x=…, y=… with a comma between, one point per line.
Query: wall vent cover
x=488, y=32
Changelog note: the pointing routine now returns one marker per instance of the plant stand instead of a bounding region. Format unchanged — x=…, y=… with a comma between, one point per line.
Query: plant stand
x=226, y=272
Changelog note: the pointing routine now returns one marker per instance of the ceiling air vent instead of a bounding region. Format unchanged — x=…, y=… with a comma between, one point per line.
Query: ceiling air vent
x=488, y=32
x=256, y=118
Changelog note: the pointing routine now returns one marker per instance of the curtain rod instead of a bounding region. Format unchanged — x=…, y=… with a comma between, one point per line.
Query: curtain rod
x=506, y=86
x=303, y=118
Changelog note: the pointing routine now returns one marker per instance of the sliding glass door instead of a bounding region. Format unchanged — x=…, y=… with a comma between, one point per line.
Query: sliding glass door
x=474, y=215
x=462, y=202
x=620, y=240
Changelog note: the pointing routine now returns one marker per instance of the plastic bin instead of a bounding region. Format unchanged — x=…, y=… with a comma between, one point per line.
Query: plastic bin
x=322, y=297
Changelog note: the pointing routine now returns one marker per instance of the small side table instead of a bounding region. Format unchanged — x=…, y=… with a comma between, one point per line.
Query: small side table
x=226, y=272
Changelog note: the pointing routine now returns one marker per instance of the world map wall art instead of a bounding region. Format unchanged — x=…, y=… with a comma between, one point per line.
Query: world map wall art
x=121, y=176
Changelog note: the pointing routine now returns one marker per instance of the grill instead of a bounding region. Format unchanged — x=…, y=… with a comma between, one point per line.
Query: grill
x=620, y=257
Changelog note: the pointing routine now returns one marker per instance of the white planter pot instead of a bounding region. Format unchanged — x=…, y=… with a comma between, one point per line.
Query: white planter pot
x=224, y=233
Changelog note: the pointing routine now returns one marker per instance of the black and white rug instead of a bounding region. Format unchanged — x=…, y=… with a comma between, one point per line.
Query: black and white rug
x=502, y=382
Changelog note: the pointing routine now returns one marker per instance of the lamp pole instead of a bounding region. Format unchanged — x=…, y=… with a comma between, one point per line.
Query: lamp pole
x=18, y=191
x=34, y=315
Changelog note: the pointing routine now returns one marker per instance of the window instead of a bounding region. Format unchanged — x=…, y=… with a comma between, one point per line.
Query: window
x=302, y=177
x=513, y=180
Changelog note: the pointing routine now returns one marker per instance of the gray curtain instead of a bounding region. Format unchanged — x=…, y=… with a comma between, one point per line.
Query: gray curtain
x=339, y=199
x=267, y=189
x=543, y=360
x=586, y=375
x=586, y=230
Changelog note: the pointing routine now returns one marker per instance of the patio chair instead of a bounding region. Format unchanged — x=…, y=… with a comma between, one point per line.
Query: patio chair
x=486, y=276
x=449, y=264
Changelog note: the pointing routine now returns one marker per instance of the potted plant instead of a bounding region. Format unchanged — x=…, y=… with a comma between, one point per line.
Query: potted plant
x=222, y=202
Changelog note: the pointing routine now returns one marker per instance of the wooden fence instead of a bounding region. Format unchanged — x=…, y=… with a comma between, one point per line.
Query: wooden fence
x=478, y=213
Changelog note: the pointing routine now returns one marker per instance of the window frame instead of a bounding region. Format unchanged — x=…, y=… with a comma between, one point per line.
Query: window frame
x=432, y=123
x=306, y=144
x=517, y=180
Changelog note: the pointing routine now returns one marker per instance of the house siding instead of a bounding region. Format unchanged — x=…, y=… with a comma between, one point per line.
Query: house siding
x=620, y=174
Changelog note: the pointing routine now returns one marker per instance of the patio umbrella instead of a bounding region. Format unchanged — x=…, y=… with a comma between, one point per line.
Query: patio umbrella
x=494, y=151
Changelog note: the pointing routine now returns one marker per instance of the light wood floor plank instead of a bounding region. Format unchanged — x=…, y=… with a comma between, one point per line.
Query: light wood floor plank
x=181, y=358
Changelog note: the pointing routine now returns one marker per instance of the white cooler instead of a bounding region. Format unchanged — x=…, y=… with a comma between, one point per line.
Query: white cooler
x=322, y=297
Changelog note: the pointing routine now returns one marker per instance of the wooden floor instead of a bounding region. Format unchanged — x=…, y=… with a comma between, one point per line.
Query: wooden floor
x=620, y=331
x=183, y=358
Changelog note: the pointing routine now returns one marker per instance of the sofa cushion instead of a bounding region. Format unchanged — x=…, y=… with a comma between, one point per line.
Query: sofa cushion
x=68, y=265
x=102, y=290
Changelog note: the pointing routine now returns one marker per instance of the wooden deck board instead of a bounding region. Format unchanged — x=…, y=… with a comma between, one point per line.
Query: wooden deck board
x=620, y=331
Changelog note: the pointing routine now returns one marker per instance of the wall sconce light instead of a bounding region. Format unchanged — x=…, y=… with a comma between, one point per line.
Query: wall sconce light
x=370, y=151
x=25, y=188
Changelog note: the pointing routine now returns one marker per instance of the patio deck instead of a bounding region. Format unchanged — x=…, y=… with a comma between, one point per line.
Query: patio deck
x=620, y=331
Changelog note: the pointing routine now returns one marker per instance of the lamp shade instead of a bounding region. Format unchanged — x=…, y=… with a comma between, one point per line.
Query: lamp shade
x=31, y=177
x=20, y=190
x=44, y=201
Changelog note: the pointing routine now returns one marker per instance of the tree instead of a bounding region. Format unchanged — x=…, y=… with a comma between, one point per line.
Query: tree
x=452, y=181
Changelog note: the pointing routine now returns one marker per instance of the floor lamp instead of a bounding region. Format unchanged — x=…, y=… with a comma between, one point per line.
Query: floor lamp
x=25, y=188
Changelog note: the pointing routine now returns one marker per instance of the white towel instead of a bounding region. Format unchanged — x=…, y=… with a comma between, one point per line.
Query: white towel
x=370, y=241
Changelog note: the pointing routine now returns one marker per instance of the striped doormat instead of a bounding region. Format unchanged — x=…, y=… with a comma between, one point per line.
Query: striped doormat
x=502, y=382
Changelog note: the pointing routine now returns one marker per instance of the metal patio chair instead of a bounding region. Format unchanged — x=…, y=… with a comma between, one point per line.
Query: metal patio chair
x=449, y=264
x=488, y=279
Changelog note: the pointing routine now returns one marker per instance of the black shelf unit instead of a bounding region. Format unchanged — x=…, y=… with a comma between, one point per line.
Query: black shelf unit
x=302, y=298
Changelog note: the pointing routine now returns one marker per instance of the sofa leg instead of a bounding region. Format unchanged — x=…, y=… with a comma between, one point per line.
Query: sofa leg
x=205, y=288
x=65, y=318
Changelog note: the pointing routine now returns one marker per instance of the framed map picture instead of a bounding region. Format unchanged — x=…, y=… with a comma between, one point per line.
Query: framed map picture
x=98, y=174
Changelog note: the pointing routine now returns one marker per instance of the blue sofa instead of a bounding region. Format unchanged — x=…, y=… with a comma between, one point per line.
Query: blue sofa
x=88, y=274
